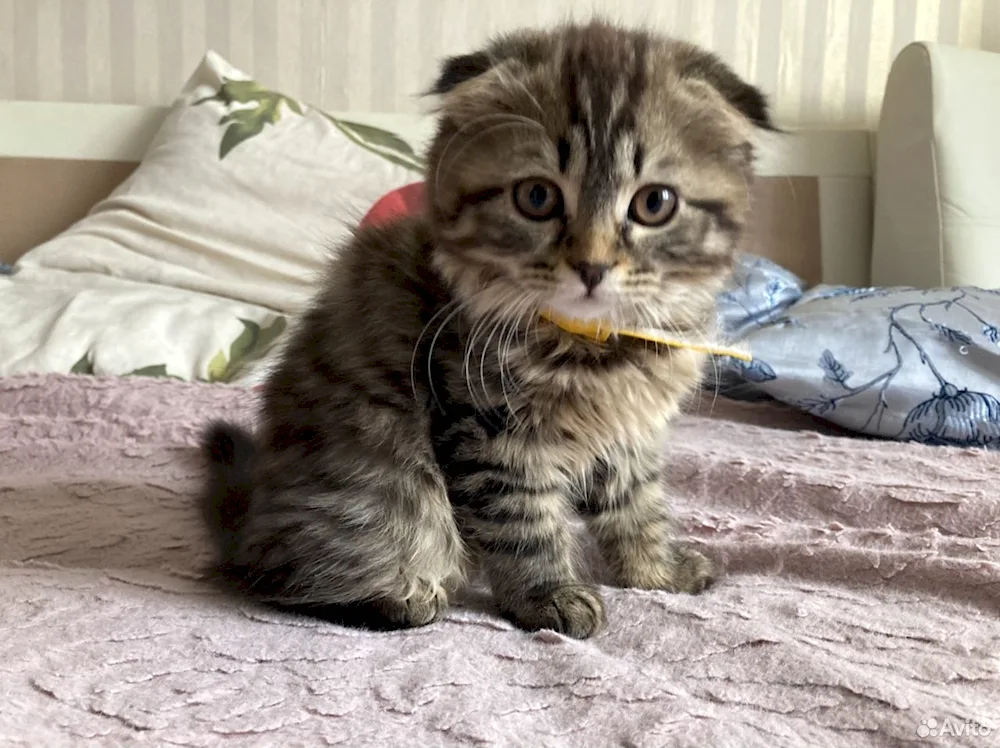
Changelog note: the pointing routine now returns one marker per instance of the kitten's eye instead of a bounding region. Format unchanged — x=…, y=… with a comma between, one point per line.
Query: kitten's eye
x=538, y=199
x=653, y=205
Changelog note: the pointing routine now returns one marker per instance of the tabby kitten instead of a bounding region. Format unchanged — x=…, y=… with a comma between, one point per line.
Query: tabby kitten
x=424, y=415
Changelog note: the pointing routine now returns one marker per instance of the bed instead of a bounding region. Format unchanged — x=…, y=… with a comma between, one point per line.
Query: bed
x=860, y=601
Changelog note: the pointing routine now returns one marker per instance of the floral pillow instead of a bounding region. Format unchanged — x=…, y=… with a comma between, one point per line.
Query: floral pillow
x=900, y=363
x=197, y=262
x=241, y=194
x=86, y=323
x=758, y=292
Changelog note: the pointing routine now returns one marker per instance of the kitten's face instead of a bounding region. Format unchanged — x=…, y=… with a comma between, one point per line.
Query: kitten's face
x=592, y=171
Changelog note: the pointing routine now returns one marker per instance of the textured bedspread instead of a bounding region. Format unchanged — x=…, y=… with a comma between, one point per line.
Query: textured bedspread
x=861, y=604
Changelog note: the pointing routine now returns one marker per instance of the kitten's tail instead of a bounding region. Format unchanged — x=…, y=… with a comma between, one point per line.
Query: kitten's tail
x=230, y=451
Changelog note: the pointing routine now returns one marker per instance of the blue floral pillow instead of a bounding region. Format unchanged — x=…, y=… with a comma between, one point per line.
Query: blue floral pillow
x=759, y=292
x=902, y=363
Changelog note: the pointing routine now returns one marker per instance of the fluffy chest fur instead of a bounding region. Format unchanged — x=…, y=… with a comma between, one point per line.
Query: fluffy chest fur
x=629, y=401
x=553, y=406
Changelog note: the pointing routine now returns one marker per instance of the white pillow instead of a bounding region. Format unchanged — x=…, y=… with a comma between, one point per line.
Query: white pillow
x=241, y=194
x=84, y=323
x=229, y=218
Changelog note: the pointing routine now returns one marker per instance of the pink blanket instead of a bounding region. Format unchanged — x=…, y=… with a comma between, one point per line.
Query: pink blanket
x=861, y=604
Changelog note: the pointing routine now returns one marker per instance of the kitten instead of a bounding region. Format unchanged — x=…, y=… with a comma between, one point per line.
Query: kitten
x=424, y=416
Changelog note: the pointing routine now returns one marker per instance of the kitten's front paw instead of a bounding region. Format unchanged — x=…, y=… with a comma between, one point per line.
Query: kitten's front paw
x=692, y=572
x=683, y=570
x=576, y=610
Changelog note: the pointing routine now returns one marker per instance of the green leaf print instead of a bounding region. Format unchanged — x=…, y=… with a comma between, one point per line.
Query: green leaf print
x=250, y=345
x=83, y=366
x=217, y=367
x=270, y=334
x=236, y=92
x=236, y=134
x=380, y=138
x=253, y=343
x=247, y=122
x=157, y=370
x=86, y=366
x=245, y=342
x=380, y=142
x=250, y=107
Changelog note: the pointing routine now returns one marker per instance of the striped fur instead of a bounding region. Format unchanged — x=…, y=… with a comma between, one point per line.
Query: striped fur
x=424, y=417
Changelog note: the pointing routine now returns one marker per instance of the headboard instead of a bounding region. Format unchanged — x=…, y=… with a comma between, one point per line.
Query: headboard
x=812, y=198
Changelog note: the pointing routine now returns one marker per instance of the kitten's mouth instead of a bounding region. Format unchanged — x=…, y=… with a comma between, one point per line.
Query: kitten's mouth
x=589, y=305
x=589, y=314
x=595, y=329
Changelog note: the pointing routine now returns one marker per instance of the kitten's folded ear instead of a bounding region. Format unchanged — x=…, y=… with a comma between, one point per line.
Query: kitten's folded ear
x=460, y=69
x=526, y=47
x=748, y=99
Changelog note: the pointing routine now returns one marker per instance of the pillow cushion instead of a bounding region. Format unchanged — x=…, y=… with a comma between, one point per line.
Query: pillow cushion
x=241, y=194
x=86, y=323
x=218, y=235
x=898, y=363
x=397, y=204
x=759, y=291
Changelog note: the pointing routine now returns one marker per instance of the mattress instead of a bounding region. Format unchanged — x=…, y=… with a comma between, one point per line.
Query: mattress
x=859, y=603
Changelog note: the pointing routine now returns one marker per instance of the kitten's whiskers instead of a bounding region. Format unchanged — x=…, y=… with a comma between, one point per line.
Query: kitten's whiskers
x=470, y=345
x=482, y=359
x=416, y=345
x=503, y=356
x=430, y=354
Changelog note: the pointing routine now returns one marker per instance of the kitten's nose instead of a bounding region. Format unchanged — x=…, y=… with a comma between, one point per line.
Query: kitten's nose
x=591, y=274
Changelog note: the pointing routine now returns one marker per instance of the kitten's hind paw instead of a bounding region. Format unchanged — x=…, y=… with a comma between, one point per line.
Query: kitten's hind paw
x=384, y=614
x=576, y=610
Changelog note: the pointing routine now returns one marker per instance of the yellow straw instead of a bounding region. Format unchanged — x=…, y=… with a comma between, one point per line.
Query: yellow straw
x=600, y=331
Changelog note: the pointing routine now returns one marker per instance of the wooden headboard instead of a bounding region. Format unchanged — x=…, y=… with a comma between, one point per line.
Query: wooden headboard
x=812, y=198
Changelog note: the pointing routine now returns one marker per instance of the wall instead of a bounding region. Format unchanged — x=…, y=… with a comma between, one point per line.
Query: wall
x=820, y=60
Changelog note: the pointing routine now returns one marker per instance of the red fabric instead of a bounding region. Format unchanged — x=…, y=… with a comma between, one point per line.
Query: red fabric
x=397, y=204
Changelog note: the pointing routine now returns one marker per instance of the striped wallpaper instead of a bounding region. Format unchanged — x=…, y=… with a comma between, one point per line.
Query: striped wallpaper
x=820, y=60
